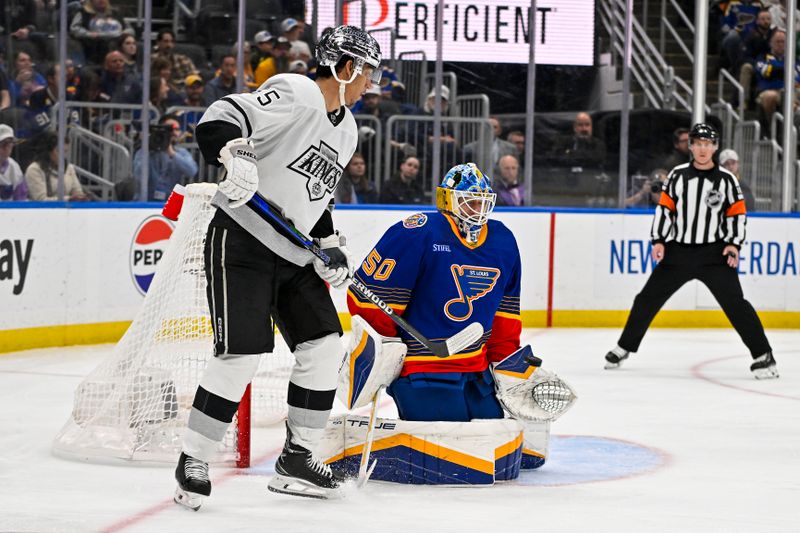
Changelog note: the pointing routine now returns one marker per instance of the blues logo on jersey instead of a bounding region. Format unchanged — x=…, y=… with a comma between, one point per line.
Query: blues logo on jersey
x=472, y=282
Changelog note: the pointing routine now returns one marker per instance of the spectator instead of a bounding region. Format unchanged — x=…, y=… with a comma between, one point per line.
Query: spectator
x=194, y=98
x=404, y=187
x=769, y=78
x=581, y=149
x=649, y=193
x=168, y=165
x=29, y=21
x=729, y=160
x=509, y=189
x=298, y=66
x=498, y=149
x=12, y=182
x=423, y=137
x=225, y=82
x=24, y=80
x=249, y=77
x=95, y=26
x=41, y=176
x=128, y=48
x=194, y=91
x=680, y=149
x=5, y=95
x=517, y=138
x=358, y=188
x=778, y=11
x=37, y=117
x=277, y=63
x=264, y=42
x=119, y=86
x=182, y=66
x=292, y=29
x=159, y=93
x=756, y=44
x=739, y=19
x=162, y=68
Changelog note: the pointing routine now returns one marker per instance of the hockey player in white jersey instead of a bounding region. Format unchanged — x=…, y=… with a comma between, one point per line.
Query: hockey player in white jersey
x=289, y=143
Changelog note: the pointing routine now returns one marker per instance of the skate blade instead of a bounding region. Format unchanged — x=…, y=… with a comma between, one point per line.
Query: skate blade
x=189, y=500
x=298, y=487
x=611, y=366
x=766, y=373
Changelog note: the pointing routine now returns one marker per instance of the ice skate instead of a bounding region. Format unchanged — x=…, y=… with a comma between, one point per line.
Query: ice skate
x=193, y=482
x=615, y=357
x=299, y=473
x=764, y=367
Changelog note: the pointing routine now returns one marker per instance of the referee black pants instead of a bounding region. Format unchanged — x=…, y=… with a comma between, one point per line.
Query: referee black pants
x=681, y=264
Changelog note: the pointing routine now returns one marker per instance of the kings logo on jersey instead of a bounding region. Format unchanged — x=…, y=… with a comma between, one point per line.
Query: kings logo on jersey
x=147, y=248
x=472, y=282
x=319, y=165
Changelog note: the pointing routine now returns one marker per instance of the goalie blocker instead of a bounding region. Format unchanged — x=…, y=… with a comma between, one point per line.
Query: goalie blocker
x=478, y=452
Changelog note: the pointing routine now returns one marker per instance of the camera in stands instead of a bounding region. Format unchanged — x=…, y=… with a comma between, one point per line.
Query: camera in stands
x=160, y=138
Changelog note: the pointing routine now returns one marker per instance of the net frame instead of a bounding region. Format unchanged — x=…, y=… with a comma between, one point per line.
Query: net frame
x=134, y=406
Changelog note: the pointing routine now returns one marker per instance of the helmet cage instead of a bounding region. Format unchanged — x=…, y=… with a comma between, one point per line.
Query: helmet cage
x=466, y=194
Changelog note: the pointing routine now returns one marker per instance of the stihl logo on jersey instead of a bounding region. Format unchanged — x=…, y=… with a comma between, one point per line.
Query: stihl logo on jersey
x=319, y=165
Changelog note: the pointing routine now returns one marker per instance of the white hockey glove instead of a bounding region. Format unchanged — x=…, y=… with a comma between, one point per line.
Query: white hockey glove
x=341, y=265
x=371, y=362
x=529, y=392
x=241, y=180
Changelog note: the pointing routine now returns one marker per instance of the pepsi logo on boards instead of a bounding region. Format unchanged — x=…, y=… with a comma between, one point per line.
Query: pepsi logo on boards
x=147, y=247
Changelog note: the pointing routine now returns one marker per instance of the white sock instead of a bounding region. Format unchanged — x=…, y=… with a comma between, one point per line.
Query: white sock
x=620, y=352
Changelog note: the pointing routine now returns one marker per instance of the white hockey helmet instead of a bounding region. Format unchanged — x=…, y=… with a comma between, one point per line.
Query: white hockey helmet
x=354, y=42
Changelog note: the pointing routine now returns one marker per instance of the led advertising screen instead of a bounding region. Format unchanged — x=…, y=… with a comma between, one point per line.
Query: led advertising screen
x=484, y=31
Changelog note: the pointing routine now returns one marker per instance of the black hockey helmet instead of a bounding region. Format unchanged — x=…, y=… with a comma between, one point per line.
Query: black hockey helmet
x=701, y=130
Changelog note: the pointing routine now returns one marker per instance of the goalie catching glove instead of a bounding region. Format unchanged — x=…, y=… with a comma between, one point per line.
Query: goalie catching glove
x=527, y=391
x=241, y=173
x=340, y=267
x=371, y=362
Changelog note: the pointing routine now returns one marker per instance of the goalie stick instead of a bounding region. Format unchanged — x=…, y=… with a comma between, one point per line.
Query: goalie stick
x=453, y=345
x=365, y=469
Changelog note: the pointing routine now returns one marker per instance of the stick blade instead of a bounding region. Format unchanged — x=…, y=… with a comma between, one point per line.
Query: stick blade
x=464, y=338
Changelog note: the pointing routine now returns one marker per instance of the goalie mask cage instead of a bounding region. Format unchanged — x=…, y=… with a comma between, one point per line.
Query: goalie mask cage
x=135, y=405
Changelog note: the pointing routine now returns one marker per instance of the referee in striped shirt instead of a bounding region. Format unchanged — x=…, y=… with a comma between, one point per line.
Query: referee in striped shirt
x=698, y=229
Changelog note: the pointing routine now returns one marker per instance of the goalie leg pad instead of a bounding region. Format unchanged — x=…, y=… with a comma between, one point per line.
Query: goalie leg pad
x=427, y=453
x=450, y=396
x=370, y=363
x=535, y=444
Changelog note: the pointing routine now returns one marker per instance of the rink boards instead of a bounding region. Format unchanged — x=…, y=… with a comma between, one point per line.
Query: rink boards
x=78, y=275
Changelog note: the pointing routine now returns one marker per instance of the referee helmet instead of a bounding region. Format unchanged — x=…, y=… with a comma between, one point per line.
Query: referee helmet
x=701, y=130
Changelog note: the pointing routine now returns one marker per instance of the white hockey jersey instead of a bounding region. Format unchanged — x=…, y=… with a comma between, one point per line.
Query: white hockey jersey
x=301, y=154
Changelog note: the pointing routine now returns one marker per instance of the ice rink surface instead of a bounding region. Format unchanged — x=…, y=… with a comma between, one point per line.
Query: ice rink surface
x=682, y=438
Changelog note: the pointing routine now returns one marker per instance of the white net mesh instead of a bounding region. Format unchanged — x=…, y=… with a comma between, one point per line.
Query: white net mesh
x=135, y=404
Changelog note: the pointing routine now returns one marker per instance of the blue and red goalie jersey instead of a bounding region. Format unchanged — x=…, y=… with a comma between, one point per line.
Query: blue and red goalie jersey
x=426, y=272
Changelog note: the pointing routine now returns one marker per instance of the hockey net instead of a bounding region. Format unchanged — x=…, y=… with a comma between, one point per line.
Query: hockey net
x=135, y=405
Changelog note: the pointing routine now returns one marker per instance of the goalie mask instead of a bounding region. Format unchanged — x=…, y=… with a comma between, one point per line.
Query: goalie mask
x=349, y=41
x=466, y=193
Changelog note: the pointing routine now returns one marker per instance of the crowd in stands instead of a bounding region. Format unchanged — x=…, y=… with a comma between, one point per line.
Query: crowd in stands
x=105, y=66
x=752, y=37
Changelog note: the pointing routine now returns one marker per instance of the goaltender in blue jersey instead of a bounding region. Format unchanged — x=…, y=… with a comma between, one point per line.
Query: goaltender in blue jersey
x=442, y=271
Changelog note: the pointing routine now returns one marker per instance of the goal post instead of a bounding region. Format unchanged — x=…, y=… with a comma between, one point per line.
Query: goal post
x=134, y=407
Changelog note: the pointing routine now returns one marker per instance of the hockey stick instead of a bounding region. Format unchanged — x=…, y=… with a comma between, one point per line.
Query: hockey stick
x=364, y=473
x=453, y=345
